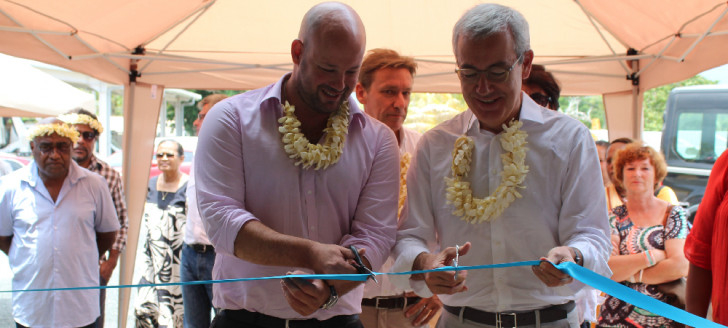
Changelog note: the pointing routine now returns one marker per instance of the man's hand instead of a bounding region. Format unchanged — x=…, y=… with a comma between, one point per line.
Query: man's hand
x=548, y=273
x=331, y=259
x=423, y=311
x=107, y=266
x=443, y=282
x=305, y=296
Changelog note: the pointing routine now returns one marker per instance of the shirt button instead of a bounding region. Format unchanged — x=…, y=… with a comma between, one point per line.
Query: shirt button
x=308, y=192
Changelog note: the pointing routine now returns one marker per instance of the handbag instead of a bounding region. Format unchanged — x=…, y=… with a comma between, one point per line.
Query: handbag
x=674, y=290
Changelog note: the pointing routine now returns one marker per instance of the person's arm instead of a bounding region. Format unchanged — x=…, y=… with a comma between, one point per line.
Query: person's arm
x=104, y=240
x=232, y=229
x=583, y=225
x=5, y=242
x=674, y=266
x=116, y=188
x=625, y=267
x=699, y=290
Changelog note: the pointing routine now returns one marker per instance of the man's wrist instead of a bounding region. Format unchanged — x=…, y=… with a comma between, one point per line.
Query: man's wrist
x=333, y=299
x=419, y=264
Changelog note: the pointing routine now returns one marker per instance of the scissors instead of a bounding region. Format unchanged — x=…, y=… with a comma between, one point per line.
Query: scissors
x=455, y=261
x=360, y=267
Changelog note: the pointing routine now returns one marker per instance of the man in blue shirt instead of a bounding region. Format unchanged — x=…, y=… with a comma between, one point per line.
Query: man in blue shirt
x=56, y=218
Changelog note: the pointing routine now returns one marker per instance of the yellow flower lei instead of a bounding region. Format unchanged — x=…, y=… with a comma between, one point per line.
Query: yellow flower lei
x=475, y=210
x=75, y=118
x=404, y=163
x=319, y=156
x=63, y=130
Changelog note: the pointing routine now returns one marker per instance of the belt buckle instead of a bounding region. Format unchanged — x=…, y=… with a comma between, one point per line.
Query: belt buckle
x=376, y=303
x=499, y=321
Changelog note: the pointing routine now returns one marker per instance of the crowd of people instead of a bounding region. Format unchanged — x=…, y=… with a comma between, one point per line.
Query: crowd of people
x=296, y=178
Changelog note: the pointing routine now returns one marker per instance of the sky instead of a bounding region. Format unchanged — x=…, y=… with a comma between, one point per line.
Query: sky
x=719, y=74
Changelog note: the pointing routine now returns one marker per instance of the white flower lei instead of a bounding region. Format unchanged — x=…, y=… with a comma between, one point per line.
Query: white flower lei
x=75, y=118
x=63, y=130
x=319, y=156
x=404, y=163
x=475, y=210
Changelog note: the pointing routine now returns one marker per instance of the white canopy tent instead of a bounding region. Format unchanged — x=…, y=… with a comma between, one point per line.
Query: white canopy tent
x=28, y=92
x=616, y=48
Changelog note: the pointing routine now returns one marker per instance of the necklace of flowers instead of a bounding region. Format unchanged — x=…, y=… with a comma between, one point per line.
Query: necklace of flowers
x=75, y=118
x=302, y=151
x=476, y=210
x=404, y=163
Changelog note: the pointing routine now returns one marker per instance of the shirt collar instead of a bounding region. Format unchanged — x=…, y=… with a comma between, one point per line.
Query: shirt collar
x=274, y=94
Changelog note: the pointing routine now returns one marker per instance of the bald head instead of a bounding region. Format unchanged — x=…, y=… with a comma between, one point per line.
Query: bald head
x=328, y=17
x=326, y=59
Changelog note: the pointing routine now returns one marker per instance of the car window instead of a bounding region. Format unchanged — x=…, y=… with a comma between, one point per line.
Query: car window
x=701, y=136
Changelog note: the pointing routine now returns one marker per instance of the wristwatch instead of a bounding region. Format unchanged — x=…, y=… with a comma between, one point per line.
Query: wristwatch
x=333, y=298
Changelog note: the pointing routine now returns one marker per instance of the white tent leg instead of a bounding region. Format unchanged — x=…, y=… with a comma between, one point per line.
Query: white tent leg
x=141, y=107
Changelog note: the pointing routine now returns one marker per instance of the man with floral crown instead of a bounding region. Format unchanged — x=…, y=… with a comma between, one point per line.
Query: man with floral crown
x=54, y=233
x=504, y=181
x=298, y=179
x=384, y=88
x=89, y=129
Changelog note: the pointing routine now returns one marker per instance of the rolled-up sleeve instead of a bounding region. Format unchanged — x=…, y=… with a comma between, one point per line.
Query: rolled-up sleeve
x=220, y=178
x=375, y=221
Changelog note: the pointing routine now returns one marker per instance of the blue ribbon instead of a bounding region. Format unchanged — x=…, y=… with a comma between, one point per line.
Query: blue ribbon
x=582, y=274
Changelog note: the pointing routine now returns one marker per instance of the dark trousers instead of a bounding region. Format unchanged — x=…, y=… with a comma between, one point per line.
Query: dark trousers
x=93, y=325
x=102, y=293
x=246, y=319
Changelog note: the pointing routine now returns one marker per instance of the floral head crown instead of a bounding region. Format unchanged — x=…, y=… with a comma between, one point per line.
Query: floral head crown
x=63, y=130
x=82, y=119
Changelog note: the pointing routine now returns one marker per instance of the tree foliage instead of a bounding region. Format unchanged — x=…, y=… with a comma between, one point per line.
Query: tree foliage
x=190, y=112
x=655, y=100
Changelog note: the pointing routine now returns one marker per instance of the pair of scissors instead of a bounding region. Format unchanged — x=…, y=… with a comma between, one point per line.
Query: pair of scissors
x=360, y=267
x=455, y=261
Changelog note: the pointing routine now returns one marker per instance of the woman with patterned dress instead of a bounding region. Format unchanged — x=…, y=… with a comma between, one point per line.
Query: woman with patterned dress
x=164, y=218
x=648, y=237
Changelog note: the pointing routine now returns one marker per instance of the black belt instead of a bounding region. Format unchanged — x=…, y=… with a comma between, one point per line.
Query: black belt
x=390, y=302
x=512, y=319
x=202, y=248
x=264, y=320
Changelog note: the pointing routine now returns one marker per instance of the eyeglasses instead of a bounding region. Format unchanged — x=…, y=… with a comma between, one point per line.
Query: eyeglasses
x=47, y=148
x=169, y=155
x=541, y=99
x=88, y=135
x=493, y=74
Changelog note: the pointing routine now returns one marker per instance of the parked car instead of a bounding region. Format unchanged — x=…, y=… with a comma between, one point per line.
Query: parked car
x=189, y=144
x=15, y=162
x=694, y=136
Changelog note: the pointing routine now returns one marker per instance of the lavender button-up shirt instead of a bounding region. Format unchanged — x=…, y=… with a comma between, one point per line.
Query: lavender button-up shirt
x=243, y=173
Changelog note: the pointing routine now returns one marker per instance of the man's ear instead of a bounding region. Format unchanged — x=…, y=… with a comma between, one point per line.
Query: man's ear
x=361, y=94
x=527, y=61
x=296, y=51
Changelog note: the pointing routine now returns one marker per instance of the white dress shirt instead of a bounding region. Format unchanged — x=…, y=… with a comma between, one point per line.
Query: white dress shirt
x=563, y=204
x=194, y=229
x=54, y=244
